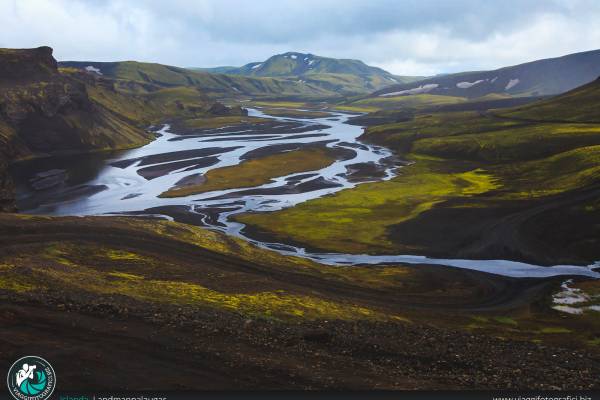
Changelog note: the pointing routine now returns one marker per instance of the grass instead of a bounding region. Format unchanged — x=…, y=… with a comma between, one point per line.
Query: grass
x=258, y=172
x=556, y=174
x=287, y=113
x=578, y=105
x=282, y=104
x=12, y=281
x=464, y=161
x=122, y=255
x=506, y=321
x=154, y=106
x=555, y=330
x=89, y=275
x=413, y=101
x=353, y=108
x=217, y=122
x=346, y=83
x=211, y=85
x=514, y=144
x=369, y=209
x=278, y=304
x=75, y=267
x=117, y=274
x=95, y=118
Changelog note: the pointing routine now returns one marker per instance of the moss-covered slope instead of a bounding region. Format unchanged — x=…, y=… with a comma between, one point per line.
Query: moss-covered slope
x=152, y=76
x=515, y=184
x=342, y=76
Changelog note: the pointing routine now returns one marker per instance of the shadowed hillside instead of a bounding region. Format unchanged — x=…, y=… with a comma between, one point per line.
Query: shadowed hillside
x=537, y=78
x=43, y=111
x=578, y=105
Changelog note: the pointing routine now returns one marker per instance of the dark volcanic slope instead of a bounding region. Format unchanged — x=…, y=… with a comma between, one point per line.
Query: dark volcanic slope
x=537, y=78
x=544, y=160
x=169, y=306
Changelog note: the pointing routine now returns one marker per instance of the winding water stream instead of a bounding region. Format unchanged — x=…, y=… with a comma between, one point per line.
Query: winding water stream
x=115, y=184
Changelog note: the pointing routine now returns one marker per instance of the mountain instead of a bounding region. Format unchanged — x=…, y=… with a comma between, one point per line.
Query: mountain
x=47, y=110
x=150, y=76
x=340, y=75
x=296, y=64
x=578, y=105
x=214, y=70
x=538, y=78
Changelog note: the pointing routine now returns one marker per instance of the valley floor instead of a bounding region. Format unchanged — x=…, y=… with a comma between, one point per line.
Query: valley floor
x=480, y=185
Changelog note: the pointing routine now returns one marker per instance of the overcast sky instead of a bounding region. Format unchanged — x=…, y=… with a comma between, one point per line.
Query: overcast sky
x=406, y=37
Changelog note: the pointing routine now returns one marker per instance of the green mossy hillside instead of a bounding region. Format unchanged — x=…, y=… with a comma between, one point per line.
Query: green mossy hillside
x=141, y=77
x=497, y=184
x=341, y=76
x=46, y=110
x=256, y=172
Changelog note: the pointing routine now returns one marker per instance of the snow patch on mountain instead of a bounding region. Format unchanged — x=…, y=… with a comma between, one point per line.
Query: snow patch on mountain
x=91, y=68
x=512, y=83
x=466, y=85
x=418, y=90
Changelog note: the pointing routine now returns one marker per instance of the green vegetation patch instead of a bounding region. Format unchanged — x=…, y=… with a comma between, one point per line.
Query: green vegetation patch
x=287, y=113
x=414, y=101
x=506, y=321
x=11, y=279
x=514, y=144
x=282, y=104
x=555, y=330
x=559, y=173
x=357, y=220
x=259, y=171
x=277, y=304
x=218, y=122
x=578, y=105
x=463, y=160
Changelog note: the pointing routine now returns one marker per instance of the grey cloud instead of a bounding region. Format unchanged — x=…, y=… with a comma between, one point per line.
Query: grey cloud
x=430, y=35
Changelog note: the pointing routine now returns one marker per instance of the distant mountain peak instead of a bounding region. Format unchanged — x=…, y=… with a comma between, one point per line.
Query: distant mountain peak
x=343, y=76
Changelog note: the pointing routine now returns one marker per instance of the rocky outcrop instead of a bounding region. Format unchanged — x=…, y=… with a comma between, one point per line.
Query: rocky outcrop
x=45, y=112
x=18, y=66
